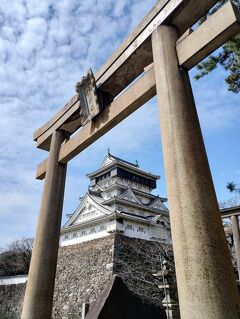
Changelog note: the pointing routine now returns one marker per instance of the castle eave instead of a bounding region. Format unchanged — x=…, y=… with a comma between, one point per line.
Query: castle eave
x=126, y=166
x=133, y=217
x=116, y=200
x=88, y=222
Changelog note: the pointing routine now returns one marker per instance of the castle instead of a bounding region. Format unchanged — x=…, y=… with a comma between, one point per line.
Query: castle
x=119, y=200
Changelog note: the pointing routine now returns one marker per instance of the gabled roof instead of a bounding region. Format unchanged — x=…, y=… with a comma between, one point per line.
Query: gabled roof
x=130, y=196
x=138, y=192
x=111, y=158
x=107, y=160
x=160, y=218
x=102, y=188
x=116, y=200
x=95, y=201
x=112, y=161
x=122, y=160
x=157, y=202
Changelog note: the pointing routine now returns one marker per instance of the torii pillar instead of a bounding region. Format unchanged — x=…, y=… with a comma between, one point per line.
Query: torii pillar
x=236, y=240
x=206, y=284
x=40, y=286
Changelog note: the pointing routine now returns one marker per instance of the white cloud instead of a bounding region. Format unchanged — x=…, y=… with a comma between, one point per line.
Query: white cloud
x=217, y=108
x=32, y=40
x=37, y=8
x=45, y=48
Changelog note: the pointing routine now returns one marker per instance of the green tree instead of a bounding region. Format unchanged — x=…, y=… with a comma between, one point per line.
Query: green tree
x=234, y=201
x=228, y=57
x=233, y=187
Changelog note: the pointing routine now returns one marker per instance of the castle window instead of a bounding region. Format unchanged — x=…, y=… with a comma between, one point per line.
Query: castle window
x=141, y=229
x=135, y=178
x=66, y=237
x=102, y=227
x=92, y=231
x=102, y=177
x=129, y=227
x=83, y=233
x=74, y=235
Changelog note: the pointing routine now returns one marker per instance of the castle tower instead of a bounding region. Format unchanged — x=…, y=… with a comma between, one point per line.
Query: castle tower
x=119, y=200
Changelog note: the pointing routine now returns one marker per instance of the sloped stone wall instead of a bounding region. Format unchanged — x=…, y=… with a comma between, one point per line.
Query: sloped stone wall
x=84, y=269
x=11, y=298
x=137, y=262
x=82, y=272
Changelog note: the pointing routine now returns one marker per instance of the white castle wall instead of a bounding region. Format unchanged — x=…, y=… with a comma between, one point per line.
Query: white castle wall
x=87, y=233
x=130, y=228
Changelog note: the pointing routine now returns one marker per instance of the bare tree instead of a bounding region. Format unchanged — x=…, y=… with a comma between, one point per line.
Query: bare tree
x=137, y=261
x=231, y=202
x=15, y=259
x=23, y=248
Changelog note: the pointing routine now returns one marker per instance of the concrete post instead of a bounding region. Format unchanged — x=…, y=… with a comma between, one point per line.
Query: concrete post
x=206, y=283
x=40, y=286
x=236, y=239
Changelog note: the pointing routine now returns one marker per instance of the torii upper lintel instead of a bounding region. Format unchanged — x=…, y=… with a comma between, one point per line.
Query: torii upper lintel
x=135, y=53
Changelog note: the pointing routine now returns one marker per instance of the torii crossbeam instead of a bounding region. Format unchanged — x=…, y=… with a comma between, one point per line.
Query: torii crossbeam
x=157, y=55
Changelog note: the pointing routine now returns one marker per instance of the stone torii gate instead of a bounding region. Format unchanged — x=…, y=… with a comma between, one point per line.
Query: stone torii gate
x=157, y=55
x=233, y=213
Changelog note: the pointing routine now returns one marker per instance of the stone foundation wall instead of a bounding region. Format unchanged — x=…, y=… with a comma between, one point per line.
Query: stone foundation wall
x=137, y=262
x=82, y=272
x=84, y=269
x=11, y=298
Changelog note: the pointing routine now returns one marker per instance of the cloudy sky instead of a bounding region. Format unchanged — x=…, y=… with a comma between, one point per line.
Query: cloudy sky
x=45, y=48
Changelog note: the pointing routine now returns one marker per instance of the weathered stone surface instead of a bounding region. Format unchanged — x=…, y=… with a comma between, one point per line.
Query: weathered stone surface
x=124, y=105
x=236, y=238
x=209, y=36
x=136, y=261
x=84, y=269
x=206, y=283
x=40, y=285
x=82, y=273
x=11, y=298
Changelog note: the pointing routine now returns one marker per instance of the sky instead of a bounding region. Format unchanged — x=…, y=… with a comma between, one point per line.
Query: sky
x=45, y=48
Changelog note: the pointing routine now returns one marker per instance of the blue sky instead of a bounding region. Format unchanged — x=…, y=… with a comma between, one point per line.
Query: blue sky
x=45, y=48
